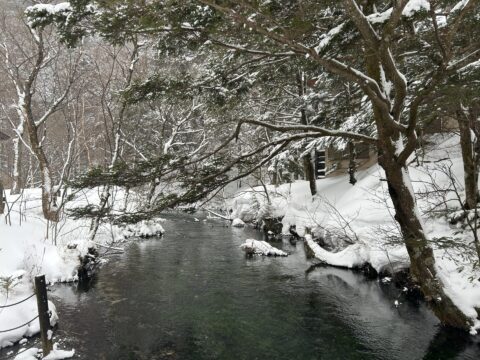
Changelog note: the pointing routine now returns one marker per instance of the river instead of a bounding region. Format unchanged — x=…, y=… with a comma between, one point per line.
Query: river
x=194, y=295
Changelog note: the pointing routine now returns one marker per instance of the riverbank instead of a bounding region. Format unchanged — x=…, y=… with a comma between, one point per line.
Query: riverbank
x=356, y=222
x=193, y=294
x=30, y=246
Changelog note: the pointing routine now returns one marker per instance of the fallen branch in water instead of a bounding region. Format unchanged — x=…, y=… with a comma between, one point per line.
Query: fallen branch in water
x=108, y=247
x=218, y=215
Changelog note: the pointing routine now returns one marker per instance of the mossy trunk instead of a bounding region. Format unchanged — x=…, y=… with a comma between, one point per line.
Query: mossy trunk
x=469, y=163
x=421, y=255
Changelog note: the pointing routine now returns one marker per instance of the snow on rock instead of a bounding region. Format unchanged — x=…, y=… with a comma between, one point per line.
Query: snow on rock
x=27, y=354
x=238, y=222
x=251, y=246
x=144, y=229
x=57, y=354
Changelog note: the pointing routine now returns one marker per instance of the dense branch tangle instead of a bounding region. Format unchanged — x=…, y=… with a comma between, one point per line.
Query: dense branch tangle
x=392, y=126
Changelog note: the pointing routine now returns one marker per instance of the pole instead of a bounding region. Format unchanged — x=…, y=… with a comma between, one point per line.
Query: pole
x=43, y=314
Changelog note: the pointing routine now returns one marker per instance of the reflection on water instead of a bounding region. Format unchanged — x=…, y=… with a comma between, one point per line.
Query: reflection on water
x=194, y=295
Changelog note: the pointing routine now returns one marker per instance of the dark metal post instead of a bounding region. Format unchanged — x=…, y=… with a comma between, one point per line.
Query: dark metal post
x=43, y=313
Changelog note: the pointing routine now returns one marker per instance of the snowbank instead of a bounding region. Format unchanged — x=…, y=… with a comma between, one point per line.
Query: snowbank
x=23, y=313
x=363, y=215
x=251, y=246
x=29, y=247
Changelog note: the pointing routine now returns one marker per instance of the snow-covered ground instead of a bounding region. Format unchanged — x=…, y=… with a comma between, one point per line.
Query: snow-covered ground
x=28, y=247
x=357, y=221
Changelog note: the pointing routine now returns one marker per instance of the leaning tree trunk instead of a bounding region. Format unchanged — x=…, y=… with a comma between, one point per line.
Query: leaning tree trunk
x=422, y=260
x=469, y=162
x=95, y=224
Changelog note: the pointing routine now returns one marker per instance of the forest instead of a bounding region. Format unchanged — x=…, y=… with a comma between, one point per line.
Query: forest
x=343, y=135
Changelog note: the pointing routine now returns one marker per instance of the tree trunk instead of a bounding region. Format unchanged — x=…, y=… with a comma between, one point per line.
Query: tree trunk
x=352, y=166
x=310, y=173
x=422, y=260
x=49, y=207
x=308, y=167
x=101, y=209
x=151, y=194
x=2, y=203
x=17, y=183
x=469, y=162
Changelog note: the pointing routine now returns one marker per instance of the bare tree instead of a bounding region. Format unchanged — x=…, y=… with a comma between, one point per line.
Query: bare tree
x=37, y=57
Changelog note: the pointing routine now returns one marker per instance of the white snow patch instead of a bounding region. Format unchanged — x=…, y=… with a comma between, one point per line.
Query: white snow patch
x=27, y=354
x=57, y=354
x=326, y=38
x=261, y=248
x=412, y=7
x=238, y=222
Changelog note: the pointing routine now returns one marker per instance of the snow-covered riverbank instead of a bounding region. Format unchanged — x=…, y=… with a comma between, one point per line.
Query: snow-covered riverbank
x=29, y=247
x=357, y=225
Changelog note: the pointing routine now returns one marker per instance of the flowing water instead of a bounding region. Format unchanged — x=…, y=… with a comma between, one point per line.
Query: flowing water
x=194, y=295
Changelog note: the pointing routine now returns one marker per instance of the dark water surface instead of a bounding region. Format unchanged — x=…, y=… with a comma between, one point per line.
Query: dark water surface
x=194, y=295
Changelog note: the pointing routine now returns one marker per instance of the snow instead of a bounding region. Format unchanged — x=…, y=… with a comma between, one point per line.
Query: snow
x=145, y=228
x=327, y=38
x=367, y=209
x=412, y=7
x=55, y=354
x=50, y=8
x=261, y=248
x=25, y=251
x=238, y=222
x=28, y=354
x=459, y=6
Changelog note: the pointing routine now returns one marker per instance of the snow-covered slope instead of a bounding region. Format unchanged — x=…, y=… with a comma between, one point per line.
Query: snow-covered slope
x=28, y=247
x=362, y=216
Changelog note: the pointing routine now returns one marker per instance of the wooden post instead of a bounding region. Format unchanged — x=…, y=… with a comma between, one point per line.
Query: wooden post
x=43, y=314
